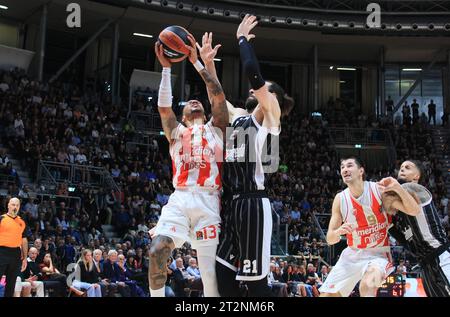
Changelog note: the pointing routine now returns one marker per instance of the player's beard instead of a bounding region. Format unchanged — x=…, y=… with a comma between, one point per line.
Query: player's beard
x=402, y=180
x=251, y=103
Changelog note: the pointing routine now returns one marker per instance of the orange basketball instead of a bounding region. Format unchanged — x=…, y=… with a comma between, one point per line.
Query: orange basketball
x=174, y=40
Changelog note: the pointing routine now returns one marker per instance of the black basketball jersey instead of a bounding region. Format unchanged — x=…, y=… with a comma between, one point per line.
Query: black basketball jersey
x=423, y=233
x=249, y=150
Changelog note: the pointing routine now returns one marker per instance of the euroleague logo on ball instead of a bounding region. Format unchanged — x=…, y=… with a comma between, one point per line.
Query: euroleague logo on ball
x=174, y=40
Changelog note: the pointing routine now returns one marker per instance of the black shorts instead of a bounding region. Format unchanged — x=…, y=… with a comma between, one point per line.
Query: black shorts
x=435, y=273
x=245, y=238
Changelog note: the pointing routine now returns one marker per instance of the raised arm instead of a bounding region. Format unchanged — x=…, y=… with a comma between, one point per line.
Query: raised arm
x=208, y=53
x=217, y=96
x=168, y=118
x=268, y=103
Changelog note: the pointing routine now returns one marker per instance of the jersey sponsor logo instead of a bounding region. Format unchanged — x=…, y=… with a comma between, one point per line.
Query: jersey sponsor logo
x=375, y=238
x=173, y=229
x=372, y=229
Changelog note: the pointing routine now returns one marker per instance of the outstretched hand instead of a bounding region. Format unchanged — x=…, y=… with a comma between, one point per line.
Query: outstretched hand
x=247, y=24
x=207, y=52
x=193, y=56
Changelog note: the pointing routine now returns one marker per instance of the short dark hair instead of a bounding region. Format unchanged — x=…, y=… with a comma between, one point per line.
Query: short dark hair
x=419, y=165
x=286, y=103
x=359, y=162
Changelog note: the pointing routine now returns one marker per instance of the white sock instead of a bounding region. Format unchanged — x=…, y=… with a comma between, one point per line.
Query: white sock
x=158, y=292
x=206, y=256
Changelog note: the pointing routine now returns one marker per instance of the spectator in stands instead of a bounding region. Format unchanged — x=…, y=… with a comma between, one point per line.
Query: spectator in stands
x=401, y=268
x=87, y=276
x=312, y=279
x=31, y=275
x=181, y=278
x=107, y=289
x=406, y=112
x=52, y=277
x=415, y=111
x=432, y=112
x=4, y=160
x=389, y=104
x=275, y=281
x=126, y=277
x=111, y=272
x=303, y=286
x=323, y=274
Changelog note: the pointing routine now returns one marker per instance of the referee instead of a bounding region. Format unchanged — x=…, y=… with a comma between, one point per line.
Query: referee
x=12, y=238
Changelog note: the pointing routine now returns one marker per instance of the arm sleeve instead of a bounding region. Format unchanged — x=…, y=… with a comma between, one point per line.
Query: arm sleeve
x=165, y=89
x=250, y=64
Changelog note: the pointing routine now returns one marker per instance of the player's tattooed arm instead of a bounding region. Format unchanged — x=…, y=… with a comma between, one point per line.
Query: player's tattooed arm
x=215, y=91
x=160, y=251
x=218, y=102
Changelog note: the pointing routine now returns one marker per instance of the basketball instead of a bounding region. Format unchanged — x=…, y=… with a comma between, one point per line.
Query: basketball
x=173, y=39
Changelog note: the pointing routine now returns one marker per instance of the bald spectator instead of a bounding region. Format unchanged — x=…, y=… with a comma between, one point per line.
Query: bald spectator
x=31, y=275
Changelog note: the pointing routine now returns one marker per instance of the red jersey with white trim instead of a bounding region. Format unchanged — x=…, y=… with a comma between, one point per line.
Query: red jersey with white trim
x=366, y=214
x=196, y=154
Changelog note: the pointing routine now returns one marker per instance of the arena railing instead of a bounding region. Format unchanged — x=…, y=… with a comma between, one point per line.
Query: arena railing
x=363, y=136
x=55, y=173
x=7, y=179
x=146, y=122
x=279, y=236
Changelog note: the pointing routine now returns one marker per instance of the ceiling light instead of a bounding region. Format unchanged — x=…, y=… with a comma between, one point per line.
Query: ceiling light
x=412, y=69
x=3, y=7
x=217, y=59
x=143, y=35
x=345, y=68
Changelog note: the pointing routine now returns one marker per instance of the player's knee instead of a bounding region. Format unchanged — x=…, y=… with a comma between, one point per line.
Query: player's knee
x=371, y=280
x=161, y=248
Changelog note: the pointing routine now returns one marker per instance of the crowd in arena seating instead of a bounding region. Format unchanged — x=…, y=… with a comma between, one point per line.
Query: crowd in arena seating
x=61, y=123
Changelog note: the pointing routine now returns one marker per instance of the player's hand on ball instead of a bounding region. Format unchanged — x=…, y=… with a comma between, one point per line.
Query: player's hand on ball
x=346, y=228
x=247, y=24
x=193, y=56
x=207, y=52
x=163, y=60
